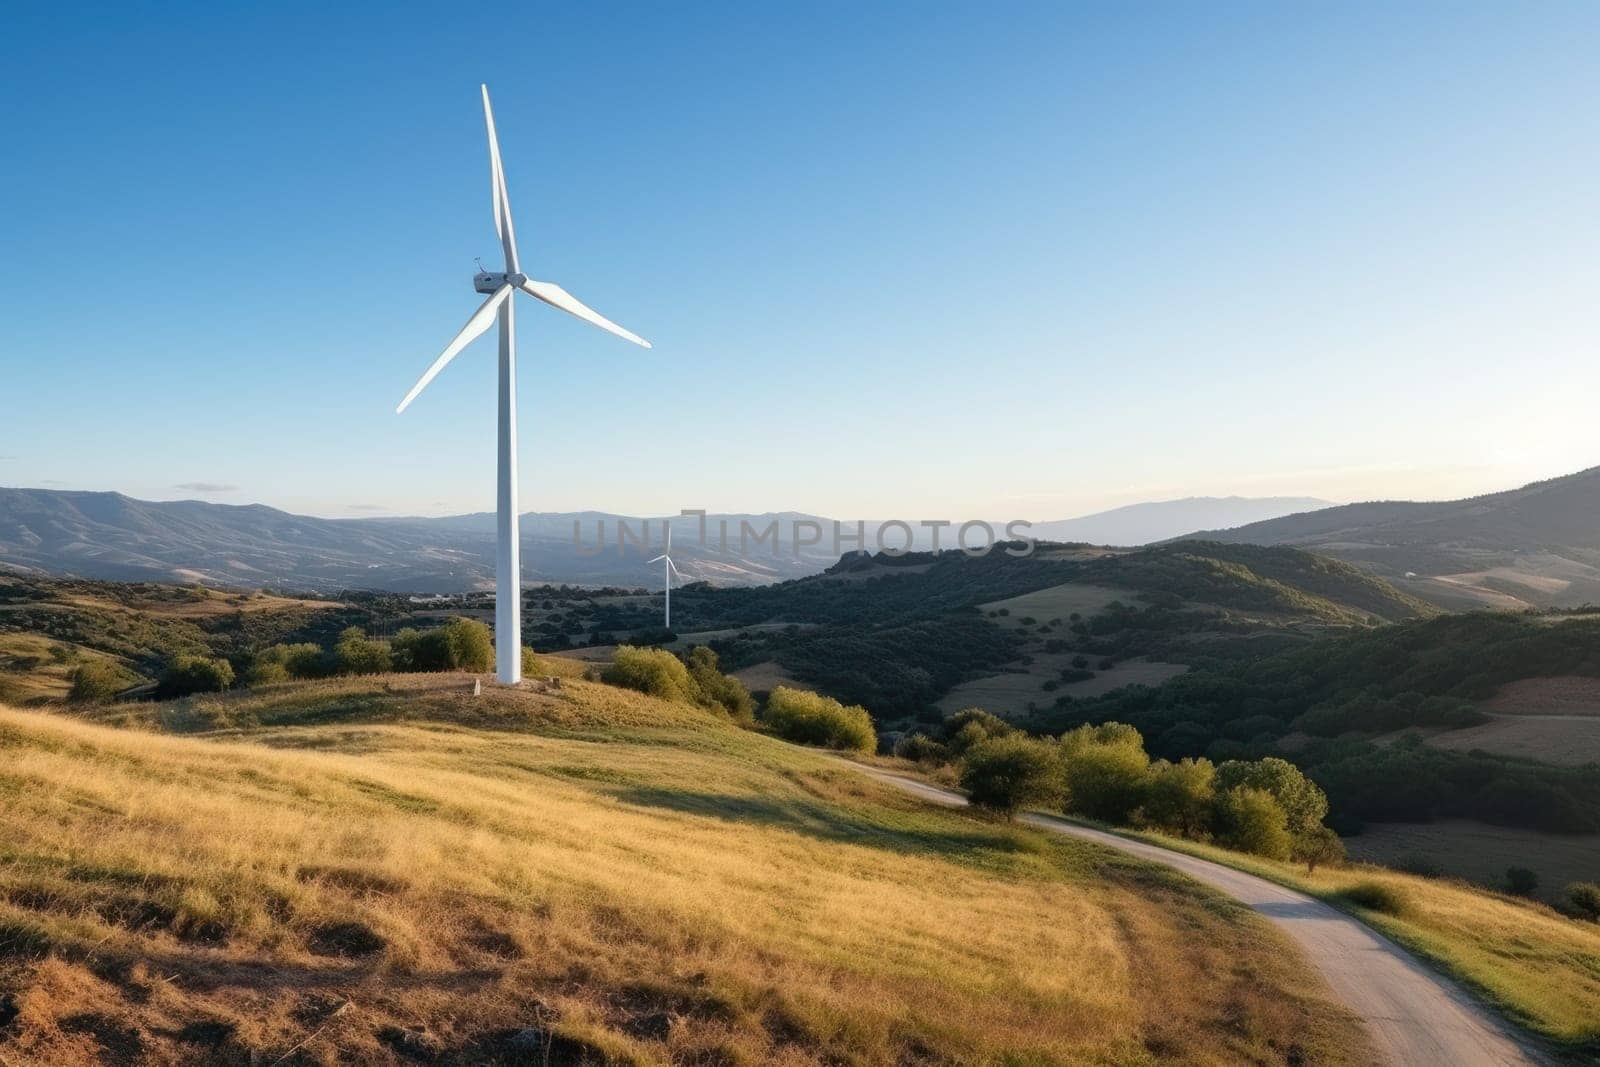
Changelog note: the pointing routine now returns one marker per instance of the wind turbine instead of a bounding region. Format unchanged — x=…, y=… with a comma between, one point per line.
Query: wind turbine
x=668, y=571
x=500, y=285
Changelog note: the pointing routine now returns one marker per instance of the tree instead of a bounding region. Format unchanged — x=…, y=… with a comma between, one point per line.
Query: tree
x=471, y=645
x=969, y=726
x=356, y=653
x=812, y=719
x=1520, y=881
x=1320, y=846
x=1179, y=797
x=1301, y=799
x=1250, y=820
x=1106, y=767
x=194, y=674
x=1004, y=774
x=718, y=690
x=94, y=681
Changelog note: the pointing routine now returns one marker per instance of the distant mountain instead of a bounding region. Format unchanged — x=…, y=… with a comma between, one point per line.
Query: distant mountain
x=1143, y=524
x=112, y=536
x=1534, y=546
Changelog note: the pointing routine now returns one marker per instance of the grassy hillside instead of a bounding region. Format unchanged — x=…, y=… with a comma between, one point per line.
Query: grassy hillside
x=389, y=867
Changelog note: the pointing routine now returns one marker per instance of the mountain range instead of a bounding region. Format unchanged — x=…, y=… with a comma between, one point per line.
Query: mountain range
x=112, y=536
x=1536, y=546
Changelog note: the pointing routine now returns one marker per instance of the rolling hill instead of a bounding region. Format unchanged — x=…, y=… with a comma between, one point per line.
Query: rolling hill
x=389, y=869
x=1538, y=545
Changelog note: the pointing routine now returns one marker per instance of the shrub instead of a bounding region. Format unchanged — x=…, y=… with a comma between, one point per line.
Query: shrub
x=1106, y=767
x=1007, y=773
x=1378, y=896
x=1583, y=901
x=651, y=670
x=920, y=748
x=471, y=645
x=458, y=645
x=266, y=672
x=812, y=719
x=194, y=674
x=279, y=663
x=1521, y=882
x=1301, y=799
x=1250, y=820
x=718, y=690
x=94, y=681
x=969, y=726
x=1320, y=846
x=356, y=653
x=1178, y=797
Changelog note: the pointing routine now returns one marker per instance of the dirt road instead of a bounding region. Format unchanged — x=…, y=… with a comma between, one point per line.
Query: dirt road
x=1416, y=1017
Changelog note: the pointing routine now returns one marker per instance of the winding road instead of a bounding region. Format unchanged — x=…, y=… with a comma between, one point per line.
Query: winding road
x=1416, y=1017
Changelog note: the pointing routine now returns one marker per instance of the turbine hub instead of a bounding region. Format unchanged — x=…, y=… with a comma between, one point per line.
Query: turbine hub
x=486, y=281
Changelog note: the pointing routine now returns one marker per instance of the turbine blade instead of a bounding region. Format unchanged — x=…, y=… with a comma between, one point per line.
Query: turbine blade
x=476, y=325
x=658, y=559
x=674, y=567
x=497, y=181
x=558, y=297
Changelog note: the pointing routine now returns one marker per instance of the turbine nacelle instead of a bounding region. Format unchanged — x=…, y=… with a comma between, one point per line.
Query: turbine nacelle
x=492, y=281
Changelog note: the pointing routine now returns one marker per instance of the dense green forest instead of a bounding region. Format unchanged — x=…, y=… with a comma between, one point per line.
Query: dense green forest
x=1425, y=672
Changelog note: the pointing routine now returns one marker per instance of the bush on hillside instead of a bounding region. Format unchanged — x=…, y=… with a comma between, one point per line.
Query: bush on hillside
x=1178, y=797
x=813, y=719
x=1583, y=901
x=1301, y=799
x=471, y=645
x=920, y=748
x=651, y=670
x=1004, y=774
x=94, y=681
x=718, y=690
x=969, y=726
x=458, y=645
x=356, y=653
x=1318, y=847
x=194, y=674
x=1250, y=820
x=1106, y=766
x=279, y=663
x=1520, y=881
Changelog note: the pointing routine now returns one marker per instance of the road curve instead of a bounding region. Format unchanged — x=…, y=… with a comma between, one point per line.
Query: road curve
x=1415, y=1017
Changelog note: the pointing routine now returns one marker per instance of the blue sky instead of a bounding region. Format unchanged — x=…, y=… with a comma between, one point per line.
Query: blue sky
x=920, y=260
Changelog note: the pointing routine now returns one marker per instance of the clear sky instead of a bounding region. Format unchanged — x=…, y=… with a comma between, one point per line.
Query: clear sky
x=908, y=260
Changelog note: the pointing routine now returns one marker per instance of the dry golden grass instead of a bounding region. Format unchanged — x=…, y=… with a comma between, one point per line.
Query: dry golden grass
x=1538, y=966
x=365, y=869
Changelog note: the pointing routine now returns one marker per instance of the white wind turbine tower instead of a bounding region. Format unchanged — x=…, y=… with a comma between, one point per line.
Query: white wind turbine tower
x=668, y=571
x=499, y=286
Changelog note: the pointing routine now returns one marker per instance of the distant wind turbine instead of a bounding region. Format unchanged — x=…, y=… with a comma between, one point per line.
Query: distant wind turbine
x=499, y=286
x=668, y=571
